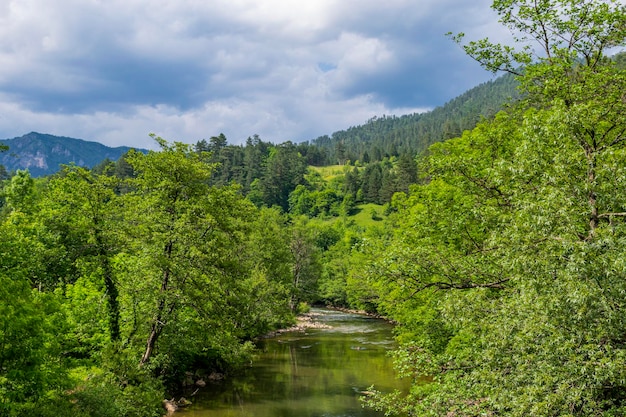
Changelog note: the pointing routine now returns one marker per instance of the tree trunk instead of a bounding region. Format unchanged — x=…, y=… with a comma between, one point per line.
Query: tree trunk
x=112, y=292
x=159, y=321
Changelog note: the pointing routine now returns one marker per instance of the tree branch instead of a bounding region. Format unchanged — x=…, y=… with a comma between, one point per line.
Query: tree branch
x=605, y=215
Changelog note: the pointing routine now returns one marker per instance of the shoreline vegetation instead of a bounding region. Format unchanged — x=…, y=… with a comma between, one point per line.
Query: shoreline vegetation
x=304, y=321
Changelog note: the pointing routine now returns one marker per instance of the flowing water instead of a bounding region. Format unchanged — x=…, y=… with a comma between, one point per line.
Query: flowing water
x=317, y=373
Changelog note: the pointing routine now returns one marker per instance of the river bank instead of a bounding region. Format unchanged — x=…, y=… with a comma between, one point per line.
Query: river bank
x=320, y=366
x=304, y=321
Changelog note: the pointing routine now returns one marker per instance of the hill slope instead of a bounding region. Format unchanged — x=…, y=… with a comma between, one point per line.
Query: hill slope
x=43, y=154
x=413, y=133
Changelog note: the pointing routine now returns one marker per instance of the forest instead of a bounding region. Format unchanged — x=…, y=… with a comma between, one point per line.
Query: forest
x=495, y=241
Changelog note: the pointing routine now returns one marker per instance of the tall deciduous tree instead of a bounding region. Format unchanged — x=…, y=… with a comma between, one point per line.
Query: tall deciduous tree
x=82, y=209
x=20, y=192
x=188, y=237
x=510, y=258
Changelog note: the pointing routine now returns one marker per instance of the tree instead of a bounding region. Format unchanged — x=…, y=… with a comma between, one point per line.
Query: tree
x=572, y=68
x=351, y=183
x=20, y=192
x=388, y=185
x=4, y=175
x=306, y=268
x=122, y=168
x=81, y=207
x=301, y=201
x=340, y=151
x=573, y=39
x=255, y=153
x=217, y=143
x=186, y=276
x=284, y=171
x=169, y=184
x=509, y=258
x=372, y=181
x=407, y=172
x=270, y=284
x=202, y=146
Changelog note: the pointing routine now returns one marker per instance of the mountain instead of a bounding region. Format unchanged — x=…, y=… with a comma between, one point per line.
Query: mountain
x=413, y=133
x=43, y=154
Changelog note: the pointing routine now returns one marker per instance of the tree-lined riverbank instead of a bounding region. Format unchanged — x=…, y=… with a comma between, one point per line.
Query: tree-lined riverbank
x=324, y=369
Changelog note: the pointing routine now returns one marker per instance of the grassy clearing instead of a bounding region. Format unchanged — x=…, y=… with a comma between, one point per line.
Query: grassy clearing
x=330, y=171
x=364, y=215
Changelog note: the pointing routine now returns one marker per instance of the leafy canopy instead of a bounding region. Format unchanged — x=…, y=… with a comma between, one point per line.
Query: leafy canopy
x=506, y=268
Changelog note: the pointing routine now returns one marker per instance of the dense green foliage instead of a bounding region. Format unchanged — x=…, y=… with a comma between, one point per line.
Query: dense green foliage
x=506, y=268
x=387, y=136
x=113, y=288
x=499, y=252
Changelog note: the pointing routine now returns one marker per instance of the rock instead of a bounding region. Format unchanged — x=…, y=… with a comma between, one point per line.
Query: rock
x=183, y=402
x=216, y=376
x=170, y=406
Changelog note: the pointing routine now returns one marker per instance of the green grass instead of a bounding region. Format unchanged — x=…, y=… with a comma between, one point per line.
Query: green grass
x=363, y=215
x=330, y=171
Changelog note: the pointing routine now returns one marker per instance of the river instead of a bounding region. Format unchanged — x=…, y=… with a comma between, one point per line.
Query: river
x=317, y=373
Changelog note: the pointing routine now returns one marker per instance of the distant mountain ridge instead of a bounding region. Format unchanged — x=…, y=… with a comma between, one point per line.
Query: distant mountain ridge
x=43, y=154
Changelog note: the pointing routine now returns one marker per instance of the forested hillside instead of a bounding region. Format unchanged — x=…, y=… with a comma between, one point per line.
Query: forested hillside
x=411, y=134
x=378, y=157
x=499, y=252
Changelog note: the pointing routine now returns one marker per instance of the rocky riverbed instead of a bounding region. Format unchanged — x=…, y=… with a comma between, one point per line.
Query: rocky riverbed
x=303, y=322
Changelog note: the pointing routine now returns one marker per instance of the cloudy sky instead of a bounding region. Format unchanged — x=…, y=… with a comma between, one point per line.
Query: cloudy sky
x=114, y=71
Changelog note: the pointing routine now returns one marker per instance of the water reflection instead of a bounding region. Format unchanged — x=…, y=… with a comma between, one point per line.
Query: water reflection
x=317, y=373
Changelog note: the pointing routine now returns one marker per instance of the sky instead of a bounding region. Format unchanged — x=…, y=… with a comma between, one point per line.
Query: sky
x=114, y=71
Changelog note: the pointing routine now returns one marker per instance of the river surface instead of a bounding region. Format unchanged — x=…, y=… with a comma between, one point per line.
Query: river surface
x=317, y=373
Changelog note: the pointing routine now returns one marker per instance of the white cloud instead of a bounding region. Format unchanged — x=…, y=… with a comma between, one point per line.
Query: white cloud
x=115, y=70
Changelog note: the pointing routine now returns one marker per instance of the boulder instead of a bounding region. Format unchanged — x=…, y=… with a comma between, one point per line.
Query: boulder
x=170, y=406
